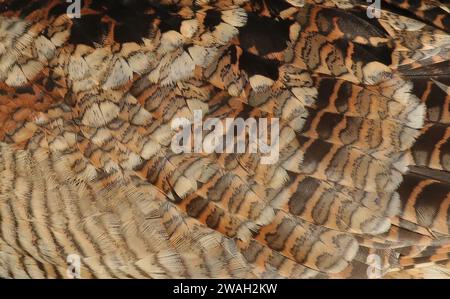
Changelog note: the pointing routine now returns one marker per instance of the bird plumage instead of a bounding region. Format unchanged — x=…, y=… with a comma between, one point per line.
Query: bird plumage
x=87, y=168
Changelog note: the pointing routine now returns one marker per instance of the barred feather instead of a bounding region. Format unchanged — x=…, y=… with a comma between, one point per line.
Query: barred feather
x=87, y=167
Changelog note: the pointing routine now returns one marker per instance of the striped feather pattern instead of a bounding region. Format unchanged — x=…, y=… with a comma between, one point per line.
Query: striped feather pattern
x=87, y=167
